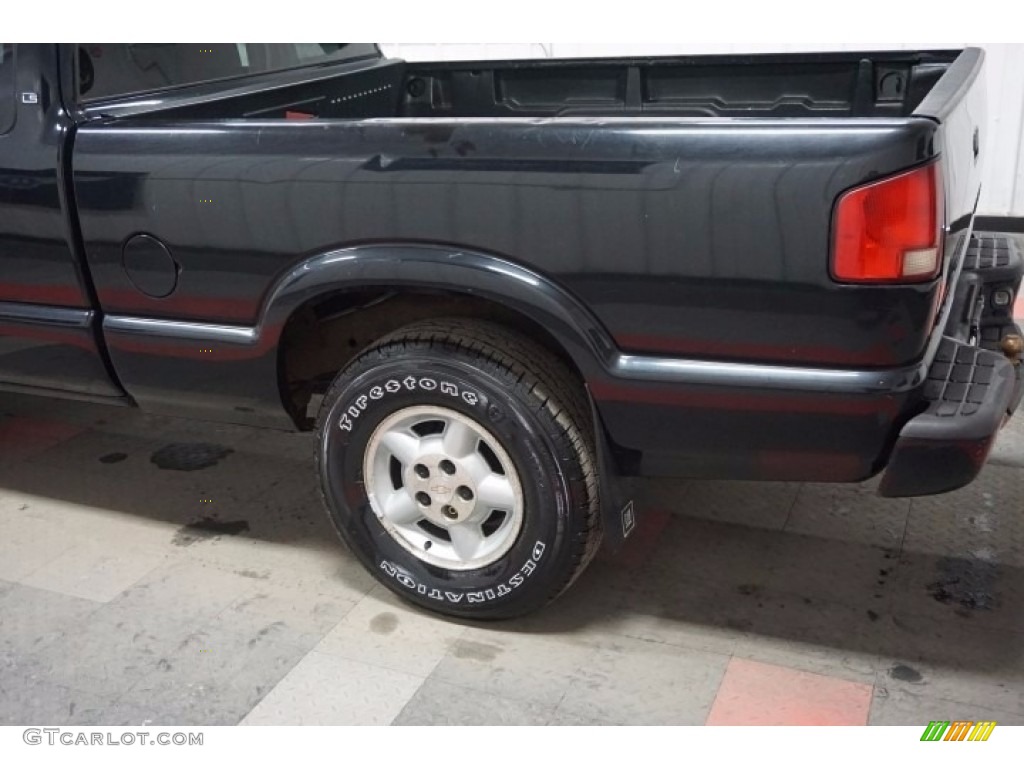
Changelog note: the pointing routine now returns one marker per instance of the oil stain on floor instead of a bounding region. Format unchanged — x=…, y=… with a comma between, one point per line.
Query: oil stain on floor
x=208, y=528
x=188, y=457
x=968, y=585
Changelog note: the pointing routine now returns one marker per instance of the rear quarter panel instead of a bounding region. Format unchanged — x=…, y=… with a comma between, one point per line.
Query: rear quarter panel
x=703, y=238
x=691, y=237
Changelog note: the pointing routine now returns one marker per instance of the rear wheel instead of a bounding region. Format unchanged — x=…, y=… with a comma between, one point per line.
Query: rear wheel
x=456, y=460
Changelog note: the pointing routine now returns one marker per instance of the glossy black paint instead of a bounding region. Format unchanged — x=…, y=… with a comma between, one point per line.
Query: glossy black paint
x=41, y=272
x=636, y=218
x=52, y=348
x=682, y=263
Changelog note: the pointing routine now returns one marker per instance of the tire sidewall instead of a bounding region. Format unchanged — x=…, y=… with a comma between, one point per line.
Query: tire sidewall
x=524, y=577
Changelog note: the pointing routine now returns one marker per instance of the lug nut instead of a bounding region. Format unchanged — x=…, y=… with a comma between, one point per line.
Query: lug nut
x=422, y=471
x=449, y=512
x=423, y=498
x=464, y=493
x=447, y=467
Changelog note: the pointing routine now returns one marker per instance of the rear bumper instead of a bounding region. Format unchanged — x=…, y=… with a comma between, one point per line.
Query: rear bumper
x=972, y=388
x=970, y=393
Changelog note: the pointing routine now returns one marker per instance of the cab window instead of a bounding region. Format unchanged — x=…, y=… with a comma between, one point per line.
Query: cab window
x=107, y=70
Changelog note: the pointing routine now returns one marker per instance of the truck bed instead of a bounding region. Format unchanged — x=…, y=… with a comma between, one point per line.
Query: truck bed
x=871, y=84
x=812, y=85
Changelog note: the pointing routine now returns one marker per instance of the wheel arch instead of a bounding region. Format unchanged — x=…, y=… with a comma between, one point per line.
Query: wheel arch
x=329, y=307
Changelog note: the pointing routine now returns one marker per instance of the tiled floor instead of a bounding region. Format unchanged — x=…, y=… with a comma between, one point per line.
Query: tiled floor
x=131, y=594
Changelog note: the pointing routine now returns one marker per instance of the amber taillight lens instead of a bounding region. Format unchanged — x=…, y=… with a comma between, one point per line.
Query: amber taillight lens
x=890, y=231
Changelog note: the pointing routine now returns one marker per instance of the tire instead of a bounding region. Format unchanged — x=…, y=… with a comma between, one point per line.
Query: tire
x=522, y=442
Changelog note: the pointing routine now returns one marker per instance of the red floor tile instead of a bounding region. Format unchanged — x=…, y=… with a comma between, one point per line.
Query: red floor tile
x=753, y=693
x=23, y=438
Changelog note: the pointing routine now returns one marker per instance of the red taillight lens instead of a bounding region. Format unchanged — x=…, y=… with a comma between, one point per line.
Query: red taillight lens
x=890, y=231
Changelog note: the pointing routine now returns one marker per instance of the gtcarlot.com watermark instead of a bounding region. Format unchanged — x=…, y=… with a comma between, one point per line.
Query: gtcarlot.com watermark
x=74, y=738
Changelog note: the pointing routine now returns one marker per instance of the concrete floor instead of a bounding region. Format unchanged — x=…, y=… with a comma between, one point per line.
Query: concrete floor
x=131, y=594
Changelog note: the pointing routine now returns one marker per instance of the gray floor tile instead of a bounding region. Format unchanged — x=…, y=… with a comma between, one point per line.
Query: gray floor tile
x=438, y=703
x=309, y=614
x=843, y=572
x=813, y=636
x=182, y=707
x=30, y=702
x=384, y=631
x=961, y=662
x=124, y=493
x=23, y=436
x=216, y=677
x=574, y=720
x=591, y=611
x=240, y=474
x=26, y=543
x=326, y=568
x=522, y=667
x=891, y=706
x=699, y=551
x=642, y=683
x=981, y=594
x=1009, y=447
x=702, y=616
x=31, y=619
x=758, y=505
x=67, y=522
x=108, y=652
x=329, y=690
x=849, y=513
x=94, y=450
x=187, y=591
x=220, y=625
x=982, y=520
x=96, y=570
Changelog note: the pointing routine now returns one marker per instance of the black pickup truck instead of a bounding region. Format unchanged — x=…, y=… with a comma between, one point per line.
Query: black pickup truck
x=496, y=289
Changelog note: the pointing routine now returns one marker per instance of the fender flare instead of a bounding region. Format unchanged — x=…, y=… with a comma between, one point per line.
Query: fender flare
x=490, y=277
x=449, y=269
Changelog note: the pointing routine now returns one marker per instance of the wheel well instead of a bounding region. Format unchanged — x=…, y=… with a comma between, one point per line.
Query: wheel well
x=325, y=333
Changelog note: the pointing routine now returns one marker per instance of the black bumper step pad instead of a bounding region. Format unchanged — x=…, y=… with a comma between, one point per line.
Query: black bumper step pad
x=993, y=251
x=959, y=379
x=969, y=393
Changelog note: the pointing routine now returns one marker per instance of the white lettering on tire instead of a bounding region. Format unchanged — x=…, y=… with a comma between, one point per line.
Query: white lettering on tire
x=477, y=596
x=392, y=386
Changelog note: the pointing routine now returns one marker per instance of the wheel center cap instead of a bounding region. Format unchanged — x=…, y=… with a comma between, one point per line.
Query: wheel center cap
x=443, y=489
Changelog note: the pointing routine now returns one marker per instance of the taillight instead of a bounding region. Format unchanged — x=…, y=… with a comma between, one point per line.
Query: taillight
x=890, y=231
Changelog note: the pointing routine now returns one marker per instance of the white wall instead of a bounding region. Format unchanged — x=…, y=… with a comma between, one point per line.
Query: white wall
x=1003, y=186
